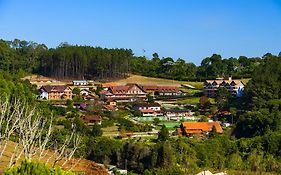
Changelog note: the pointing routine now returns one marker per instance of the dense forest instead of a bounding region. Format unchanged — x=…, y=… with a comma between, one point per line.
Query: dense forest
x=86, y=62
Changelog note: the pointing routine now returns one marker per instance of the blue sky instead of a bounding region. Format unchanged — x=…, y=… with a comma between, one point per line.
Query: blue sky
x=188, y=29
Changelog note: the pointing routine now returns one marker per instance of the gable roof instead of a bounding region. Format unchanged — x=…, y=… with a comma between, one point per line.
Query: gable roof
x=197, y=127
x=167, y=89
x=123, y=89
x=58, y=88
x=148, y=88
x=223, y=82
x=119, y=89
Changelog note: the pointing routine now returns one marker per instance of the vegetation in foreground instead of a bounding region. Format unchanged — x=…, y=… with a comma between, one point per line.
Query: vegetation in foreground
x=35, y=168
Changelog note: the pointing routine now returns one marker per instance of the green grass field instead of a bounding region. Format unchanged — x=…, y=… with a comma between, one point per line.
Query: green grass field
x=193, y=100
x=190, y=91
x=171, y=124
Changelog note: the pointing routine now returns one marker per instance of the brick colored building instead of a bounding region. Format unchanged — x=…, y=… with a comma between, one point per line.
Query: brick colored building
x=198, y=128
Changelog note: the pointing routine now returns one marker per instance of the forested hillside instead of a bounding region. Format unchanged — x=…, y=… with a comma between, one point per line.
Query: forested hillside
x=252, y=143
x=86, y=62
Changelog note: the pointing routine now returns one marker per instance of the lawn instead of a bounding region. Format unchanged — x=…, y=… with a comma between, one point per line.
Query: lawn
x=171, y=124
x=190, y=100
x=110, y=131
x=193, y=100
x=190, y=91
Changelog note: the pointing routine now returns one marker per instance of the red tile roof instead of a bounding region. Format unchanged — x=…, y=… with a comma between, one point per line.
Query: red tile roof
x=123, y=89
x=199, y=127
x=58, y=88
x=119, y=89
x=167, y=89
x=156, y=88
x=148, y=88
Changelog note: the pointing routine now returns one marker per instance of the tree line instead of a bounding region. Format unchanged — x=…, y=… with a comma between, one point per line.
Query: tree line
x=85, y=62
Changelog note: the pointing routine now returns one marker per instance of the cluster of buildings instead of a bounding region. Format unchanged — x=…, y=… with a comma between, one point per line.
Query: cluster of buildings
x=119, y=93
x=137, y=92
x=62, y=92
x=155, y=110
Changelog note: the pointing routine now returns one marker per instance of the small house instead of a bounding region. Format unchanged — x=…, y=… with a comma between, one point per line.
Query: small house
x=111, y=102
x=91, y=120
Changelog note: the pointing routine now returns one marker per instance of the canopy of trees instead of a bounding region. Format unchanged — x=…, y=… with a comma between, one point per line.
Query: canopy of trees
x=78, y=62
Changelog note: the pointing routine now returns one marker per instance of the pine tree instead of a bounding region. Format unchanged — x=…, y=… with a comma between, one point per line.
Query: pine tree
x=163, y=134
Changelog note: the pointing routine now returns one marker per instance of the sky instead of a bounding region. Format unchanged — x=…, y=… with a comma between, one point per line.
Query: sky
x=187, y=29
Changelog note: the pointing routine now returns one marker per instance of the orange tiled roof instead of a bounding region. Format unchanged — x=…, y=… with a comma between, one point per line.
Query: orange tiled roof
x=192, y=127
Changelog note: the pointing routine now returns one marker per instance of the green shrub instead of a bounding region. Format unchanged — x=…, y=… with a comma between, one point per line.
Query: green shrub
x=35, y=168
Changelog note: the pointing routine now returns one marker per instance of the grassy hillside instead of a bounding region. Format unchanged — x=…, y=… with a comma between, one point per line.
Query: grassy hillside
x=161, y=81
x=83, y=165
x=154, y=81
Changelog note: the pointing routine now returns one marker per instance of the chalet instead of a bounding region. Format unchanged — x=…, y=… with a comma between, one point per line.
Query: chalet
x=91, y=120
x=55, y=92
x=80, y=82
x=235, y=87
x=125, y=93
x=149, y=109
x=198, y=128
